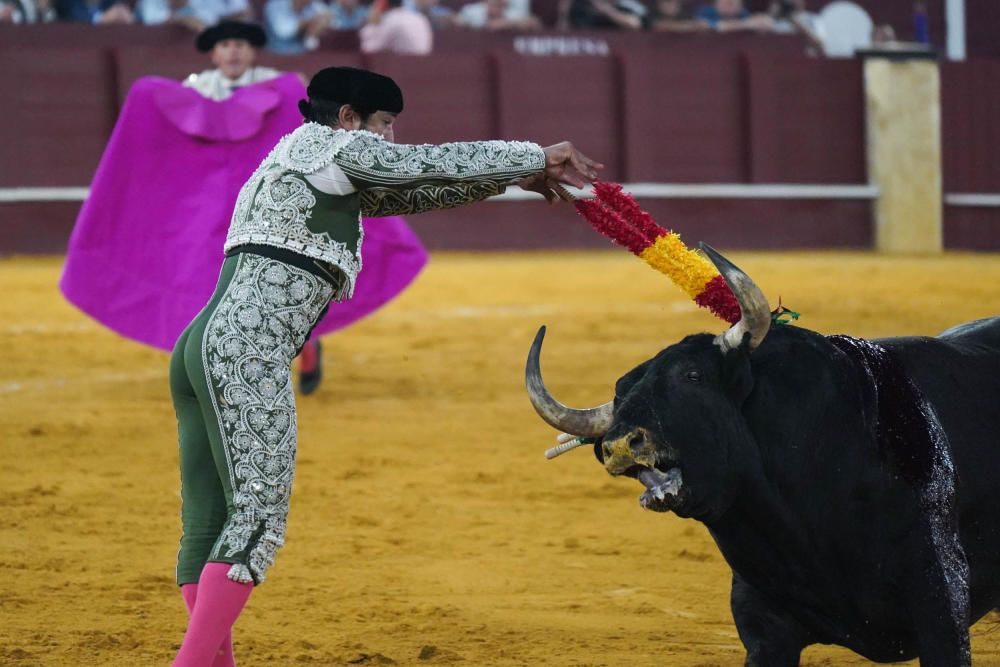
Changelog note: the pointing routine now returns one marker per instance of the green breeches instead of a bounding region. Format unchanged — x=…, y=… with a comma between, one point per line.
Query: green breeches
x=231, y=385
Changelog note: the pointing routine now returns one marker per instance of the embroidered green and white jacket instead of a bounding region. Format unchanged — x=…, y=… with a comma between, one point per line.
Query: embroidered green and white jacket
x=309, y=193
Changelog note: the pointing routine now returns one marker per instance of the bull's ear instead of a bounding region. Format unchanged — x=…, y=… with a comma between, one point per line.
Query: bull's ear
x=737, y=373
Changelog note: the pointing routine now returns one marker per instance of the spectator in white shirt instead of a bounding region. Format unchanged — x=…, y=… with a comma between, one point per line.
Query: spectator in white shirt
x=348, y=14
x=194, y=14
x=295, y=26
x=498, y=15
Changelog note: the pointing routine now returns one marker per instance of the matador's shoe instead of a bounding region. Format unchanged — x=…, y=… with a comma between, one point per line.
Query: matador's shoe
x=310, y=367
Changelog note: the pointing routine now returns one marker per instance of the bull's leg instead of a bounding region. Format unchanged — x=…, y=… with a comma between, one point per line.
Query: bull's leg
x=772, y=637
x=938, y=597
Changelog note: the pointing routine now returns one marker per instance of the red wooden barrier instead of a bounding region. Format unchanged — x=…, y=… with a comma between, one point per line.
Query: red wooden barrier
x=806, y=120
x=970, y=126
x=687, y=109
x=684, y=117
x=445, y=98
x=58, y=109
x=553, y=99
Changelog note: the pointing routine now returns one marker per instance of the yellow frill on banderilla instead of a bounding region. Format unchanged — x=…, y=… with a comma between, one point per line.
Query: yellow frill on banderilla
x=689, y=270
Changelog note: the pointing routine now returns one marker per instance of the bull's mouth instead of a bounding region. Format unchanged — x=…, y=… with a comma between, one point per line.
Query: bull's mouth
x=634, y=453
x=664, y=492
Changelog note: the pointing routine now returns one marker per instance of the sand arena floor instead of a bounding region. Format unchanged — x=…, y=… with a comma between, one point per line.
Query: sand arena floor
x=426, y=526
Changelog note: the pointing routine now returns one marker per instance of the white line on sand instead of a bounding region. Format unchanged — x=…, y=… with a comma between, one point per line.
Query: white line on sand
x=460, y=312
x=46, y=384
x=44, y=328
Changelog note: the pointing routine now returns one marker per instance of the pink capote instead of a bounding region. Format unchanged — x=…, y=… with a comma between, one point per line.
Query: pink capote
x=146, y=250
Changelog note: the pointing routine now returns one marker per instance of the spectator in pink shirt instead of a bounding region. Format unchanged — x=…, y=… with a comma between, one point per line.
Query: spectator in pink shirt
x=396, y=30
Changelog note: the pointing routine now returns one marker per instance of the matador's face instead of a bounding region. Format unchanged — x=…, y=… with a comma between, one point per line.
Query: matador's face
x=380, y=123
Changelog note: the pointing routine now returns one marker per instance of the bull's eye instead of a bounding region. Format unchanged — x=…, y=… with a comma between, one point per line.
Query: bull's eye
x=693, y=376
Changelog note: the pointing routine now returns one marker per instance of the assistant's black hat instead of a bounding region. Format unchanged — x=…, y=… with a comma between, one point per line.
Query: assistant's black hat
x=250, y=32
x=366, y=92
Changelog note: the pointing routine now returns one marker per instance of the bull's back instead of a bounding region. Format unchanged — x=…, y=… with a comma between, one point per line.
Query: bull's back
x=984, y=333
x=959, y=372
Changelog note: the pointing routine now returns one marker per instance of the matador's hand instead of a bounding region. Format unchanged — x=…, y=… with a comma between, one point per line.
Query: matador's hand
x=549, y=189
x=565, y=164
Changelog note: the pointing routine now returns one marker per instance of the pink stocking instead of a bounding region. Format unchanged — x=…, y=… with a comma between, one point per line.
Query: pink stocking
x=225, y=656
x=217, y=602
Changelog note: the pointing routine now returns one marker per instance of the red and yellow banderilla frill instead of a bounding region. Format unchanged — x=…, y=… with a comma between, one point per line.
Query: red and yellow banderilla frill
x=615, y=214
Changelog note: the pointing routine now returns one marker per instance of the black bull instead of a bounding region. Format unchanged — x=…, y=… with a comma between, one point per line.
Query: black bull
x=852, y=486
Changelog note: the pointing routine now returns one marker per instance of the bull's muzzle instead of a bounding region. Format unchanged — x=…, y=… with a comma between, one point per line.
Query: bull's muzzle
x=632, y=449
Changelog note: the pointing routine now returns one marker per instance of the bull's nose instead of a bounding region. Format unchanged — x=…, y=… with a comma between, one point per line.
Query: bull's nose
x=630, y=444
x=637, y=440
x=634, y=447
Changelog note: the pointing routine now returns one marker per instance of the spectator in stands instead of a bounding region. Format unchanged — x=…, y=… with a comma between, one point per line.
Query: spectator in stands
x=348, y=14
x=791, y=16
x=26, y=11
x=394, y=28
x=295, y=26
x=440, y=16
x=194, y=14
x=586, y=14
x=232, y=10
x=883, y=34
x=177, y=12
x=232, y=46
x=498, y=15
x=675, y=16
x=105, y=12
x=732, y=16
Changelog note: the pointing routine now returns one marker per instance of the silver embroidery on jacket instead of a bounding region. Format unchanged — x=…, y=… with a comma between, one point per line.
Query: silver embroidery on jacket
x=312, y=147
x=371, y=159
x=274, y=205
x=250, y=340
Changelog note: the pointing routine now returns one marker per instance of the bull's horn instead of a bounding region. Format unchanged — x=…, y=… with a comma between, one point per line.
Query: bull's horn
x=590, y=423
x=756, y=314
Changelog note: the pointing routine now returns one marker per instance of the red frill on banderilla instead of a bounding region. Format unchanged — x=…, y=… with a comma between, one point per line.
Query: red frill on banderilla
x=615, y=214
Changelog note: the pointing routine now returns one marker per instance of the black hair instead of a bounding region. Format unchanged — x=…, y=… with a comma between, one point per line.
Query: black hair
x=325, y=112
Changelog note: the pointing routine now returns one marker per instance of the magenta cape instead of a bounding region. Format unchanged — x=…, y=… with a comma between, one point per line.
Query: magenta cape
x=146, y=250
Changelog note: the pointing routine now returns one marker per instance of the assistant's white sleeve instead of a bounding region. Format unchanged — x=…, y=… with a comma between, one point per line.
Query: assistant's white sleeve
x=332, y=180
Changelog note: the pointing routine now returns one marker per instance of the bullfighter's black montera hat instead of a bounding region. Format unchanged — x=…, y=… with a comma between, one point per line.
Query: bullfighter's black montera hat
x=250, y=32
x=366, y=92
